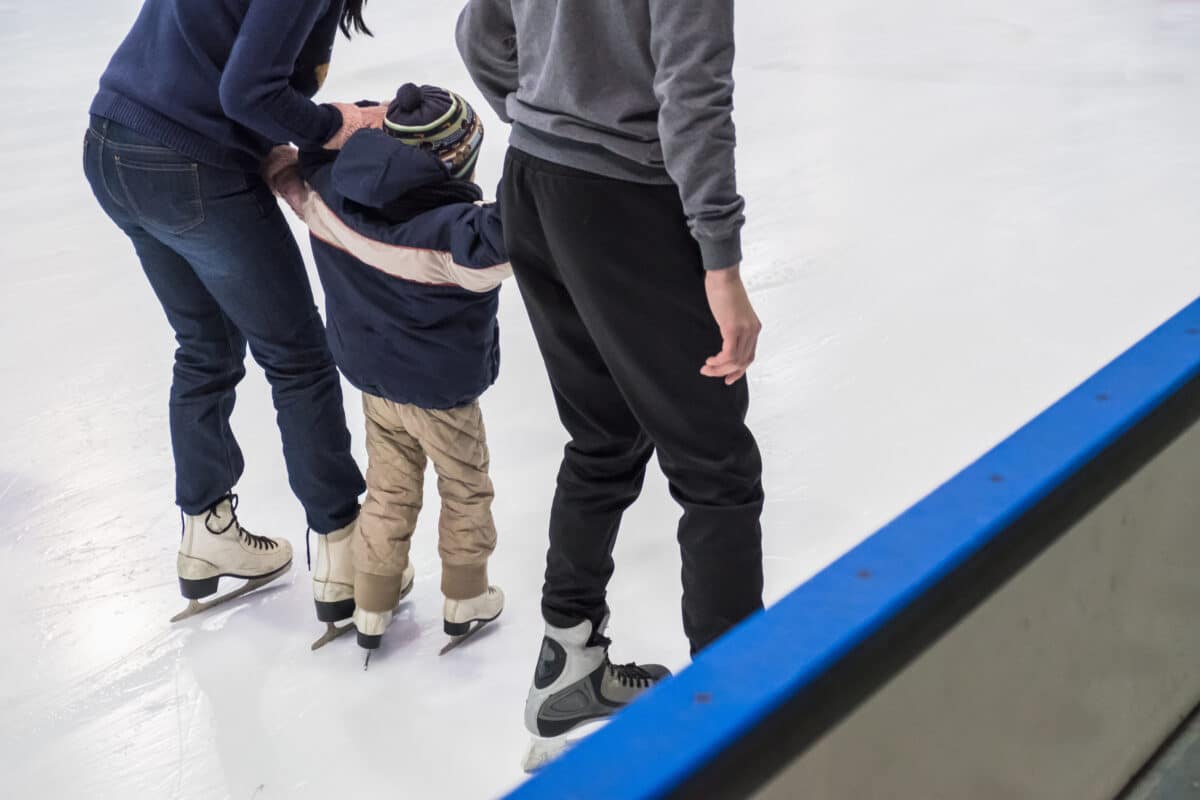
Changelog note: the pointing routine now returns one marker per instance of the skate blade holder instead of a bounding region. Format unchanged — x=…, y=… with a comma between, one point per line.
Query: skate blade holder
x=331, y=633
x=196, y=606
x=543, y=750
x=461, y=632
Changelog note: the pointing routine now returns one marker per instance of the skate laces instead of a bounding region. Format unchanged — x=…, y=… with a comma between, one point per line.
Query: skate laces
x=257, y=542
x=631, y=675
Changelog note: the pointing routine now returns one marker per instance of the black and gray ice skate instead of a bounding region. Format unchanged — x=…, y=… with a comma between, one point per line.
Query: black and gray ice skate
x=576, y=689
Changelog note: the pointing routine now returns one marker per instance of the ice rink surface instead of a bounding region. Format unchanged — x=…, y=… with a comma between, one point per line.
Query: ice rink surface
x=957, y=211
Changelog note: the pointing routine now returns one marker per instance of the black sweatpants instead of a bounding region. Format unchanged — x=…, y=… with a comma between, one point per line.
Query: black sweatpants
x=614, y=286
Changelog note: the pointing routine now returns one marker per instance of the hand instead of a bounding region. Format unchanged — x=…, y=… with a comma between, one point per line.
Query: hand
x=279, y=159
x=738, y=323
x=292, y=188
x=281, y=171
x=354, y=119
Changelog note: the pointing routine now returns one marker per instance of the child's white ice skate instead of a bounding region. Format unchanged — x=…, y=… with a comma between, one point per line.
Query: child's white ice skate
x=372, y=624
x=216, y=546
x=576, y=689
x=333, y=583
x=464, y=618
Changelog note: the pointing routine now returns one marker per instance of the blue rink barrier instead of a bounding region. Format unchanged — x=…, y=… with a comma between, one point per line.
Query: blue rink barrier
x=774, y=686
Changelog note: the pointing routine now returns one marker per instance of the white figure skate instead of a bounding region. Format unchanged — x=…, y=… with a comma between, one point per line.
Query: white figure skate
x=464, y=618
x=216, y=546
x=333, y=584
x=372, y=624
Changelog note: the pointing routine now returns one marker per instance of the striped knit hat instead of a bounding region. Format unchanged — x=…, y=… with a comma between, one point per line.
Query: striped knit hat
x=437, y=120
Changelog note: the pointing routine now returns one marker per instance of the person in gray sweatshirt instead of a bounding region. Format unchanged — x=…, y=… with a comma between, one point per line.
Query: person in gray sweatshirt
x=623, y=222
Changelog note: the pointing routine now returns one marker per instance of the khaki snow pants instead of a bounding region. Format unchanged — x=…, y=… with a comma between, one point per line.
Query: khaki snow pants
x=399, y=439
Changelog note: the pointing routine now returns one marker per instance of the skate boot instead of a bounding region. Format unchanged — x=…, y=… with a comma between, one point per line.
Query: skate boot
x=372, y=624
x=576, y=689
x=464, y=618
x=333, y=583
x=216, y=546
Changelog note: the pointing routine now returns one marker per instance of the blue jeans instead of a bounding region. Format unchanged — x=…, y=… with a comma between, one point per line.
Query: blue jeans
x=223, y=262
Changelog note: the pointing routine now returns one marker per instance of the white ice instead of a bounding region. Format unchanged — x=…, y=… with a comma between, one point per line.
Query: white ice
x=957, y=211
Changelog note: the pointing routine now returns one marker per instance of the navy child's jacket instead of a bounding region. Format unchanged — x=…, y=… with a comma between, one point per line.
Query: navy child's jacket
x=411, y=263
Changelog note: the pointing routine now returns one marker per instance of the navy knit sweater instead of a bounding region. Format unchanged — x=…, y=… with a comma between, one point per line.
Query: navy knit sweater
x=222, y=81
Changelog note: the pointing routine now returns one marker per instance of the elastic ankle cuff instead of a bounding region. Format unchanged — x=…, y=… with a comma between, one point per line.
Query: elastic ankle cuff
x=377, y=592
x=464, y=582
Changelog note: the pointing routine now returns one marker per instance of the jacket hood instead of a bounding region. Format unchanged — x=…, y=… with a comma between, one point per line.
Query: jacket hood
x=373, y=169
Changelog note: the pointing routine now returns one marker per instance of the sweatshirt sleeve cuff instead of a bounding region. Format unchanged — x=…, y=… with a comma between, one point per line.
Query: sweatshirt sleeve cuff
x=721, y=253
x=331, y=123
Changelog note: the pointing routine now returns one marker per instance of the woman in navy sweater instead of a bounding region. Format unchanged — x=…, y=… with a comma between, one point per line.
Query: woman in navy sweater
x=188, y=117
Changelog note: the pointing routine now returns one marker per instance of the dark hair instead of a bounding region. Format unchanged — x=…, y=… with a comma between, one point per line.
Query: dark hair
x=352, y=18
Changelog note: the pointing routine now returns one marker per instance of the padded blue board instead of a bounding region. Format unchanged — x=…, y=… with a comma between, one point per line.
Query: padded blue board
x=655, y=744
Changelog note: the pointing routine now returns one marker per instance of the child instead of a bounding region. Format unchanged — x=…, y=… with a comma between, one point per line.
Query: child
x=411, y=263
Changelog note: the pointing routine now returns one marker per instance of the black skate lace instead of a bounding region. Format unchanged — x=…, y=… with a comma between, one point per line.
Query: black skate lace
x=631, y=675
x=257, y=542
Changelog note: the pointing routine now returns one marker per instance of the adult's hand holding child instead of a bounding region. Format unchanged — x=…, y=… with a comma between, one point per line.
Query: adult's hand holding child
x=281, y=171
x=355, y=117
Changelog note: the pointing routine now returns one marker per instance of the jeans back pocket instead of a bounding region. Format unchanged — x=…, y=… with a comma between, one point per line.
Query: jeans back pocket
x=162, y=194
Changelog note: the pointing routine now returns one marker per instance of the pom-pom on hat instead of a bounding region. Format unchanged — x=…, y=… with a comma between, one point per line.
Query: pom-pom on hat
x=438, y=120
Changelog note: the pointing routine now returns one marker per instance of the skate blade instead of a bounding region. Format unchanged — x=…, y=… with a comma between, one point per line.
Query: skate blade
x=456, y=641
x=543, y=750
x=332, y=632
x=195, y=607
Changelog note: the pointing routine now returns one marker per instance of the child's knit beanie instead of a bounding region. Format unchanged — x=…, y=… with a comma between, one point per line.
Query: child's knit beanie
x=437, y=120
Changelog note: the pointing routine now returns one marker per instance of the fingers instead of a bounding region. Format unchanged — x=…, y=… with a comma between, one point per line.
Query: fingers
x=724, y=357
x=284, y=154
x=748, y=344
x=296, y=203
x=729, y=370
x=288, y=185
x=353, y=120
x=725, y=362
x=279, y=159
x=739, y=349
x=295, y=195
x=721, y=369
x=282, y=179
x=374, y=115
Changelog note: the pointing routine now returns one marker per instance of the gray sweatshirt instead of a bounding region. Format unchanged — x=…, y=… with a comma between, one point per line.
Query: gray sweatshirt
x=640, y=90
